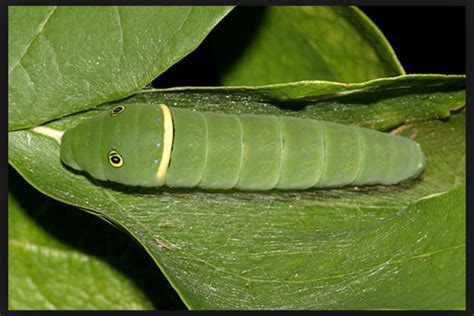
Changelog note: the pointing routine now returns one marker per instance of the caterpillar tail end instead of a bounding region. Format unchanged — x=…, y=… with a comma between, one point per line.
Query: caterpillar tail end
x=420, y=167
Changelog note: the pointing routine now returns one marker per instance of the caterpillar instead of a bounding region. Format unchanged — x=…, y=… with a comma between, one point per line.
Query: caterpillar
x=153, y=145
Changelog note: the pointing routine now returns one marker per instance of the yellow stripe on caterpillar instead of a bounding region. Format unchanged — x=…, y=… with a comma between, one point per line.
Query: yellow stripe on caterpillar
x=167, y=144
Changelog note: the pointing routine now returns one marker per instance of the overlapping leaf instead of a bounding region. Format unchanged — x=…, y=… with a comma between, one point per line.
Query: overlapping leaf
x=285, y=44
x=67, y=59
x=314, y=249
x=56, y=262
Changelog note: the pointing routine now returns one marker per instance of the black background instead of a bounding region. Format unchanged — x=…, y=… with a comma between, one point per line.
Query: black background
x=426, y=39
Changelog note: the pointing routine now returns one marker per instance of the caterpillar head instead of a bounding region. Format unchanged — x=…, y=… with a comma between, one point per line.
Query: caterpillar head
x=123, y=145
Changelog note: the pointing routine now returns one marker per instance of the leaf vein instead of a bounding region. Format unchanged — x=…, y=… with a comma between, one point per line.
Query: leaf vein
x=39, y=31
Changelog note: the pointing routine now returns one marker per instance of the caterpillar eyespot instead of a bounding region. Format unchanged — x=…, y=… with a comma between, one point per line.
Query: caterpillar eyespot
x=117, y=110
x=115, y=159
x=227, y=151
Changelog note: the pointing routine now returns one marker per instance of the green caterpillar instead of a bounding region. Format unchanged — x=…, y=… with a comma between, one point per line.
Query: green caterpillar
x=152, y=145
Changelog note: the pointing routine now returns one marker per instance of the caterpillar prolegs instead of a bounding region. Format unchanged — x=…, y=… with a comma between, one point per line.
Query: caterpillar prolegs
x=154, y=145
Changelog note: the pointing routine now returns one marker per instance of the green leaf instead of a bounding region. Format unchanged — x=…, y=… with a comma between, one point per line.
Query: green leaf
x=276, y=44
x=368, y=247
x=425, y=267
x=60, y=62
x=61, y=258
